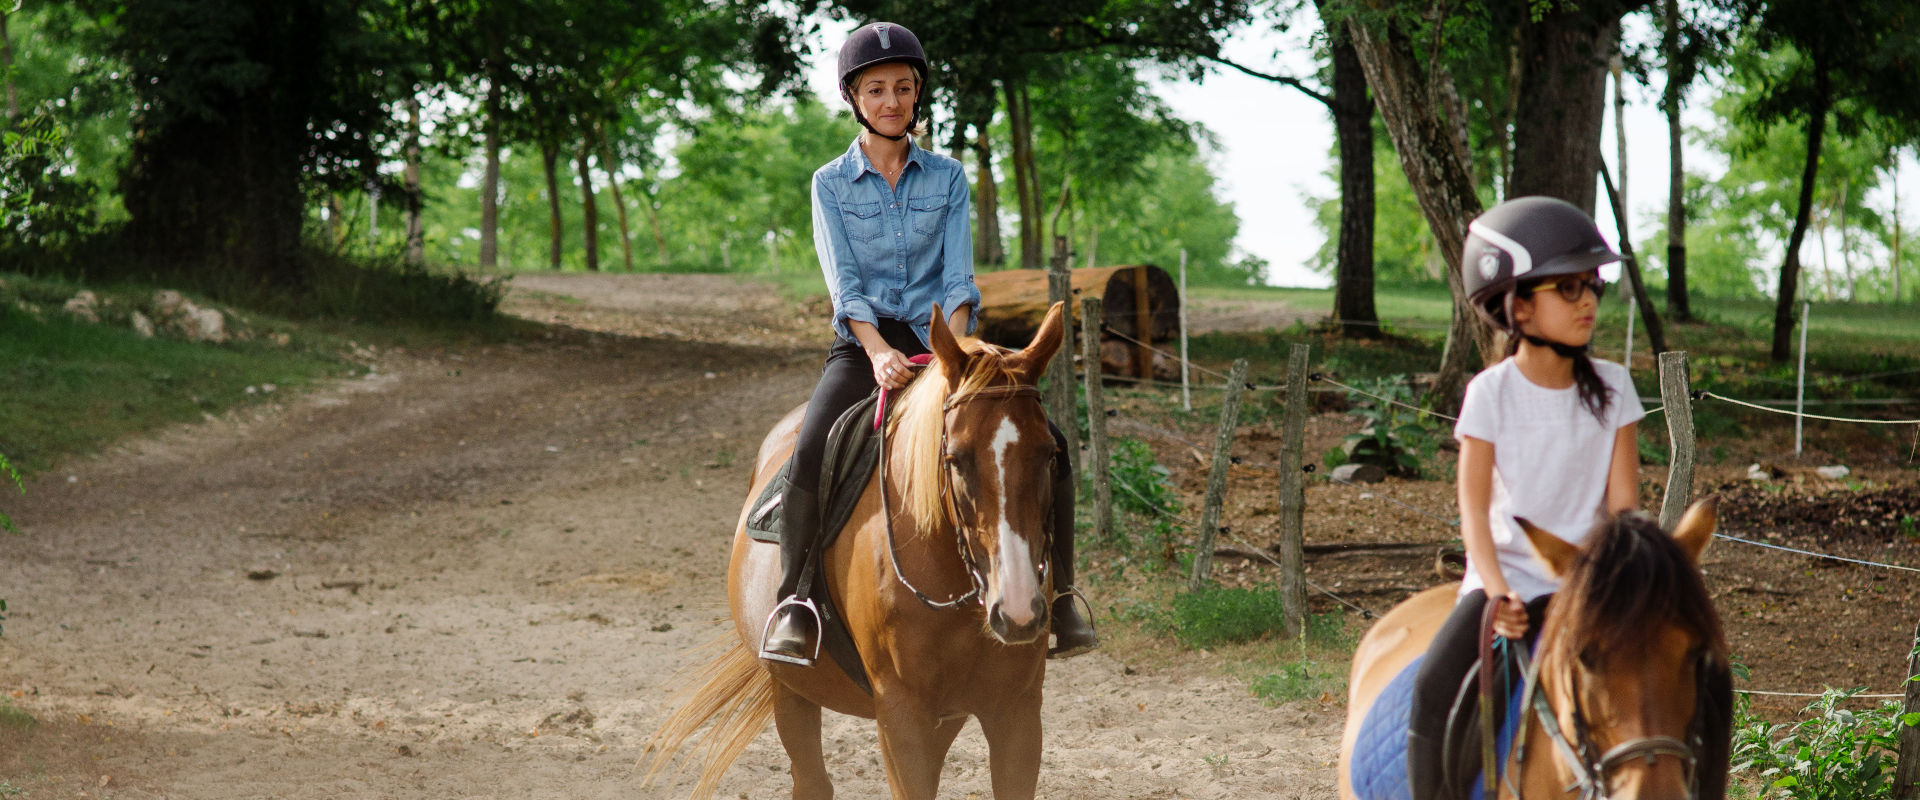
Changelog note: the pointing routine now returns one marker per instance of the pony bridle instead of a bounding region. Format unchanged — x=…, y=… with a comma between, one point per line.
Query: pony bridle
x=1590, y=771
x=961, y=528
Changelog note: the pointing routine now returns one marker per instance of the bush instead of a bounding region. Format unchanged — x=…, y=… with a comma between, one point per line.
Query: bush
x=1216, y=616
x=1836, y=754
x=1396, y=438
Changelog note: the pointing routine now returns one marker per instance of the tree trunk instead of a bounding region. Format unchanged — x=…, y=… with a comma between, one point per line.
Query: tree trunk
x=1514, y=71
x=619, y=203
x=416, y=243
x=1353, y=126
x=1678, y=309
x=549, y=161
x=1790, y=268
x=1556, y=142
x=6, y=68
x=1440, y=182
x=490, y=184
x=589, y=210
x=987, y=247
x=659, y=236
x=1896, y=225
x=1617, y=67
x=1846, y=243
x=336, y=226
x=1026, y=182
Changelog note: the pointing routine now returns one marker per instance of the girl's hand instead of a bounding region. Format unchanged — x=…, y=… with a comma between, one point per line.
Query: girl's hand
x=1510, y=618
x=891, y=369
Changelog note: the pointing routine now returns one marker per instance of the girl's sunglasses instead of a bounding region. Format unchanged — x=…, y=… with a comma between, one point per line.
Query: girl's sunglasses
x=1571, y=287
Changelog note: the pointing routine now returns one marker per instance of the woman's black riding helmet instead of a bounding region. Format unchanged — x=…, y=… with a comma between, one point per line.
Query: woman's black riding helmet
x=1526, y=239
x=882, y=43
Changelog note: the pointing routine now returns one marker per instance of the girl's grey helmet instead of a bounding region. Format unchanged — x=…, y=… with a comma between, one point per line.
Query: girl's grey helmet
x=882, y=43
x=1526, y=238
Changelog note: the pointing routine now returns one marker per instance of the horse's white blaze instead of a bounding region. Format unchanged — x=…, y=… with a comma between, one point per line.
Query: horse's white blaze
x=1019, y=583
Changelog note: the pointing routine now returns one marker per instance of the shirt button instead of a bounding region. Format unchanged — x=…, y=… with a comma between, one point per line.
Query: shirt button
x=896, y=234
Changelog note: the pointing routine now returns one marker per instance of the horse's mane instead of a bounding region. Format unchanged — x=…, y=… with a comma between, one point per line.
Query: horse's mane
x=1631, y=574
x=916, y=425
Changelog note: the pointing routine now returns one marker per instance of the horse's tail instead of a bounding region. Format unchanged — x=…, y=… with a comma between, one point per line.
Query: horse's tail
x=737, y=697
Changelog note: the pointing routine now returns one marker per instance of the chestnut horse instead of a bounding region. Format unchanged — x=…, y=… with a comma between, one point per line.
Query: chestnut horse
x=1634, y=694
x=940, y=576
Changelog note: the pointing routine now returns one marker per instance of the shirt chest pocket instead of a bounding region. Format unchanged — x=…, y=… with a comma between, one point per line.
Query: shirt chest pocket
x=862, y=221
x=927, y=215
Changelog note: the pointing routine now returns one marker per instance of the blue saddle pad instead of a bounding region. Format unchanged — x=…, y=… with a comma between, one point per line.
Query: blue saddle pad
x=1378, y=769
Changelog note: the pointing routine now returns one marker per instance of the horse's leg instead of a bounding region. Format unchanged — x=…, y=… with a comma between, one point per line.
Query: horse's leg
x=1013, y=748
x=798, y=721
x=914, y=745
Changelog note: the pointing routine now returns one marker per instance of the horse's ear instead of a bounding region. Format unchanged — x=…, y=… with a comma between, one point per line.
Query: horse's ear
x=1031, y=362
x=946, y=349
x=1553, y=550
x=1696, y=527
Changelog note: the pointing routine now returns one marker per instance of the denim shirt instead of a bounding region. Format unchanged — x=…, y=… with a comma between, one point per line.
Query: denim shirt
x=894, y=252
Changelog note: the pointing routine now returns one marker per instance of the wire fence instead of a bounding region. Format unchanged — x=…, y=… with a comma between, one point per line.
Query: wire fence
x=1447, y=521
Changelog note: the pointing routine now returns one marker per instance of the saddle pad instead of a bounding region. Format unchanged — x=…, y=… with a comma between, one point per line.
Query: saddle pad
x=1378, y=769
x=852, y=453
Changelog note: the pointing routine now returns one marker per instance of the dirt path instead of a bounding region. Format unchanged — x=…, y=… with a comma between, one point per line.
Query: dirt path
x=473, y=574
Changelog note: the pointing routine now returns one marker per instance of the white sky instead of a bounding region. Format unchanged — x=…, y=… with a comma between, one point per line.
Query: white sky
x=1276, y=146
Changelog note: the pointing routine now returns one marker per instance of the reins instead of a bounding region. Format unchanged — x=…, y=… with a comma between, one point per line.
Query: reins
x=972, y=566
x=1589, y=771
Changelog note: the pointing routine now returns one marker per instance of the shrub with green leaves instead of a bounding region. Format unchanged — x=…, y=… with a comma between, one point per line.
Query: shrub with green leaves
x=1216, y=616
x=1834, y=754
x=1396, y=438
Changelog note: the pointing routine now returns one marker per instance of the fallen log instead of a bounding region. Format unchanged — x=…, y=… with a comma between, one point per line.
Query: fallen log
x=1012, y=302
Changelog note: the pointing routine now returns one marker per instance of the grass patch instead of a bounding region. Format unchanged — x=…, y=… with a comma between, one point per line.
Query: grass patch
x=68, y=387
x=13, y=717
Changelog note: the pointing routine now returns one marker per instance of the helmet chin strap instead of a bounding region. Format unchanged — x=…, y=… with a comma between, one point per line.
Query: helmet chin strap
x=914, y=120
x=1563, y=350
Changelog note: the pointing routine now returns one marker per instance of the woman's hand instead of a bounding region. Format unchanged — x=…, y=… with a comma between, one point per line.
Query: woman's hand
x=1510, y=617
x=891, y=368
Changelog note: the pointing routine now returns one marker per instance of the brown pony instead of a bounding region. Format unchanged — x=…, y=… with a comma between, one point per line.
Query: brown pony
x=1634, y=692
x=941, y=578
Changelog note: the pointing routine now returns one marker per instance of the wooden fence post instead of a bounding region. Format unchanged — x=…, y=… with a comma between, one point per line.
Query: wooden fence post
x=1293, y=496
x=1674, y=393
x=1217, y=478
x=1091, y=308
x=1906, y=776
x=1142, y=325
x=1060, y=403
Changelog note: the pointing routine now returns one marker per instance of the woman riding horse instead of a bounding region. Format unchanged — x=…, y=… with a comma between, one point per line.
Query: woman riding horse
x=891, y=229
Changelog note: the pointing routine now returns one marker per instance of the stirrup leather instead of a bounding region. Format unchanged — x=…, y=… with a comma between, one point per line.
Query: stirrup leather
x=767, y=631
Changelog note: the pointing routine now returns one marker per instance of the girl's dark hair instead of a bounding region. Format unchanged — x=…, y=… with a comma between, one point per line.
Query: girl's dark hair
x=1587, y=383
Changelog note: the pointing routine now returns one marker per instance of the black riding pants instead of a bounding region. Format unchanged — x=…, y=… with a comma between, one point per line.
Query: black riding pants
x=1455, y=647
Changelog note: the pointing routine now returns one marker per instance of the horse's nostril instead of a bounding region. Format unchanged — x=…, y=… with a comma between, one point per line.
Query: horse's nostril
x=1039, y=609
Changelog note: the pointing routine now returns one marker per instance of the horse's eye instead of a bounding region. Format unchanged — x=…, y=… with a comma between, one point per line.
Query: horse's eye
x=1587, y=659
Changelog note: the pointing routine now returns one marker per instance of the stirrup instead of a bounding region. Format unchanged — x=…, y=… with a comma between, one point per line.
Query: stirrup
x=818, y=632
x=1064, y=653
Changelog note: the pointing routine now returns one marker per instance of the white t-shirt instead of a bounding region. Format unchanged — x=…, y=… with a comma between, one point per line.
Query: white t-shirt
x=1550, y=463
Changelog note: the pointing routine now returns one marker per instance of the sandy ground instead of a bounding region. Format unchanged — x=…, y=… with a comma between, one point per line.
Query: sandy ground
x=474, y=574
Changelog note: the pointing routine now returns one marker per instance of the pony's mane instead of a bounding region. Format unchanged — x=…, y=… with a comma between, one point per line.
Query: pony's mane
x=915, y=428
x=1630, y=574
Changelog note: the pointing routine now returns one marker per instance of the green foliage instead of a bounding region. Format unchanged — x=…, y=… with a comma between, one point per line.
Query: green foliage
x=1396, y=438
x=14, y=717
x=41, y=205
x=1834, y=754
x=1141, y=486
x=1214, y=616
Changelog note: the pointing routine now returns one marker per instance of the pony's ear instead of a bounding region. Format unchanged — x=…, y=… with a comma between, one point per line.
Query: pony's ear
x=1696, y=527
x=1031, y=362
x=1553, y=550
x=946, y=349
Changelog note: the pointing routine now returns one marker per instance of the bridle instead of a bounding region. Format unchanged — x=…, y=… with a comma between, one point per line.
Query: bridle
x=962, y=530
x=1581, y=755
